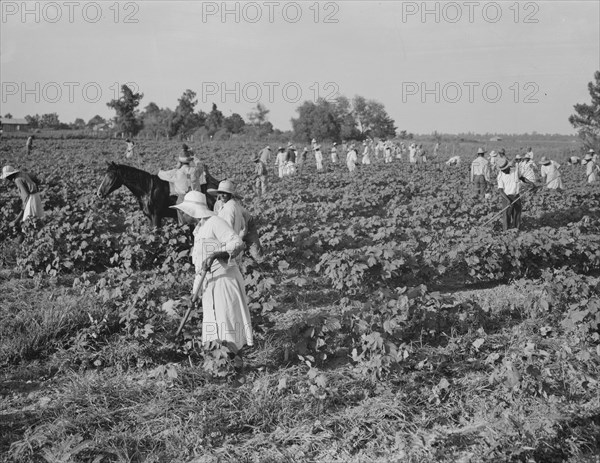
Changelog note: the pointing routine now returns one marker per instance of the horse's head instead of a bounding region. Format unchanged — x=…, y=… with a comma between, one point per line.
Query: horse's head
x=110, y=182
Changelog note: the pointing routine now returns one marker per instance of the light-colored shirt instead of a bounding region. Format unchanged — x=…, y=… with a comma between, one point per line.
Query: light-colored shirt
x=528, y=168
x=265, y=155
x=214, y=236
x=480, y=166
x=351, y=157
x=232, y=213
x=281, y=158
x=180, y=179
x=510, y=182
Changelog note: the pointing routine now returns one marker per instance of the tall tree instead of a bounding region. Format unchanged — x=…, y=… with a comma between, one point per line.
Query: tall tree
x=33, y=121
x=79, y=123
x=372, y=119
x=156, y=120
x=185, y=121
x=214, y=120
x=587, y=118
x=128, y=119
x=96, y=120
x=234, y=123
x=49, y=121
x=316, y=120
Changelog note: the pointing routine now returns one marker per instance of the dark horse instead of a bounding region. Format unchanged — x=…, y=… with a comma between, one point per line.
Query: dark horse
x=151, y=192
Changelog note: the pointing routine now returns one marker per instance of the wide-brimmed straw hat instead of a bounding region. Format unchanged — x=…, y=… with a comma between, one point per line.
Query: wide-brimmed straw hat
x=502, y=163
x=185, y=159
x=544, y=161
x=591, y=151
x=588, y=157
x=226, y=186
x=7, y=171
x=493, y=154
x=528, y=155
x=481, y=151
x=194, y=204
x=519, y=156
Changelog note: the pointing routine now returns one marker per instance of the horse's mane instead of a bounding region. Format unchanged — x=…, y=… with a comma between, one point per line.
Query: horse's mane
x=130, y=172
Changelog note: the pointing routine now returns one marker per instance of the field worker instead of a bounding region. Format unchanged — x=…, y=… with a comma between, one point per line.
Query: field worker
x=501, y=154
x=380, y=149
x=423, y=154
x=313, y=144
x=280, y=161
x=334, y=155
x=493, y=159
x=480, y=173
x=420, y=154
x=436, y=149
x=318, y=157
x=290, y=160
x=366, y=157
x=227, y=206
x=180, y=179
x=351, y=158
x=412, y=153
x=291, y=153
x=129, y=150
x=509, y=187
x=29, y=191
x=402, y=150
x=550, y=170
x=388, y=153
x=529, y=167
x=302, y=160
x=453, y=161
x=29, y=144
x=260, y=183
x=265, y=155
x=574, y=160
x=226, y=317
x=591, y=168
x=529, y=154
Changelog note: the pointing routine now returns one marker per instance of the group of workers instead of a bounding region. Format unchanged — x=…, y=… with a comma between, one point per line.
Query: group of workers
x=290, y=161
x=513, y=176
x=219, y=234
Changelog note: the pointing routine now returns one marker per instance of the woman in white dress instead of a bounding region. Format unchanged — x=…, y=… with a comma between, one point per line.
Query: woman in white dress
x=549, y=169
x=351, y=159
x=591, y=168
x=226, y=317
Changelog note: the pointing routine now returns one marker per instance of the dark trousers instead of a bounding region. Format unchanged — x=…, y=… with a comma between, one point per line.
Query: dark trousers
x=512, y=215
x=480, y=185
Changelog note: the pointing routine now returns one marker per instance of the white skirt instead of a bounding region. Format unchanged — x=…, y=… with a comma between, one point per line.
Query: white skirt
x=34, y=207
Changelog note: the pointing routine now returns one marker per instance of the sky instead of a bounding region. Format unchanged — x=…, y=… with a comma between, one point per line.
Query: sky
x=450, y=67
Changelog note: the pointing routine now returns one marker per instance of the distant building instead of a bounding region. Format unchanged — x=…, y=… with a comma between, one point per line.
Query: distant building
x=495, y=139
x=14, y=125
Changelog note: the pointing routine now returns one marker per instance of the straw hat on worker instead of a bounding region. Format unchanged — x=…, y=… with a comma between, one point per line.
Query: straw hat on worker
x=194, y=205
x=226, y=186
x=7, y=171
x=544, y=161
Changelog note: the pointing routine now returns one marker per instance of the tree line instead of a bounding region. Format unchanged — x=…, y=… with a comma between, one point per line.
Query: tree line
x=341, y=119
